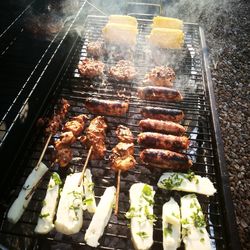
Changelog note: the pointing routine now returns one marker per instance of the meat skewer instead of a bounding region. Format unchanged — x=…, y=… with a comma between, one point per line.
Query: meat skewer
x=85, y=166
x=122, y=158
x=54, y=125
x=95, y=136
x=106, y=107
x=174, y=115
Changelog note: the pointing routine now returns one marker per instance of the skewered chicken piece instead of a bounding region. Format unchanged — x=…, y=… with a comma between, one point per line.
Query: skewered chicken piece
x=76, y=125
x=122, y=158
x=55, y=122
x=96, y=134
x=122, y=154
x=64, y=156
x=124, y=134
x=66, y=138
x=73, y=128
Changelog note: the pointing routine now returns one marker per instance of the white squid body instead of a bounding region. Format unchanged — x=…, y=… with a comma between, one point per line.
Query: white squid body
x=171, y=225
x=89, y=201
x=45, y=221
x=198, y=184
x=69, y=219
x=21, y=203
x=140, y=210
x=101, y=217
x=194, y=236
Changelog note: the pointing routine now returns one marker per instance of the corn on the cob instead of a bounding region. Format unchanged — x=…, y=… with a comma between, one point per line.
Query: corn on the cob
x=120, y=33
x=122, y=19
x=167, y=22
x=166, y=38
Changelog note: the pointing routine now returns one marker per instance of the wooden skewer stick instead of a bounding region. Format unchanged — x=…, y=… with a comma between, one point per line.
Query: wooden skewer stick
x=37, y=184
x=43, y=152
x=85, y=166
x=117, y=192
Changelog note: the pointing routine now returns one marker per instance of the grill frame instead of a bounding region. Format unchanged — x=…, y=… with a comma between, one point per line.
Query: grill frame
x=230, y=236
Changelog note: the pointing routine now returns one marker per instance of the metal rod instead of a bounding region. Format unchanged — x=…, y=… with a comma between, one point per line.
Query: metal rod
x=117, y=192
x=85, y=166
x=43, y=152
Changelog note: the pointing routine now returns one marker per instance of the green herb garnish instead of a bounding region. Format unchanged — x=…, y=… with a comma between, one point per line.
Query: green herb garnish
x=88, y=201
x=168, y=230
x=143, y=235
x=147, y=190
x=199, y=220
x=173, y=181
x=57, y=179
x=44, y=215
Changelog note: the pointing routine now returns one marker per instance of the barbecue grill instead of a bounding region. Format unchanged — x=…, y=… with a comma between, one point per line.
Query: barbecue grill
x=49, y=72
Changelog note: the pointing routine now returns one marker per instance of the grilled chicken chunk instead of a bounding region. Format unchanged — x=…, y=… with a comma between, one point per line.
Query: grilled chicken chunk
x=124, y=134
x=123, y=149
x=66, y=139
x=96, y=134
x=64, y=156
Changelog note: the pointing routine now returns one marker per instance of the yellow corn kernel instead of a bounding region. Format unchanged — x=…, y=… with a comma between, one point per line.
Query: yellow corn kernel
x=122, y=19
x=167, y=22
x=166, y=38
x=120, y=33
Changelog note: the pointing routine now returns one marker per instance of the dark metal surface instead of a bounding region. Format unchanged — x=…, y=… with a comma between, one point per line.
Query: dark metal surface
x=193, y=82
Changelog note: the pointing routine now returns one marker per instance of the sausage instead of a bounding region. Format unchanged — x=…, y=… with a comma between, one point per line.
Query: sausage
x=155, y=93
x=162, y=126
x=106, y=107
x=174, y=115
x=157, y=140
x=165, y=159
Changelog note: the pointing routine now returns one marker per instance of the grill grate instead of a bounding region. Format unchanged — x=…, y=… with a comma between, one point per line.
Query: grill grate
x=190, y=81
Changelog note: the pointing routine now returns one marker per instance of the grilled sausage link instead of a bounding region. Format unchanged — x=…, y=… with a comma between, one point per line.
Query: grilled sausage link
x=174, y=115
x=165, y=159
x=157, y=140
x=162, y=126
x=155, y=93
x=106, y=107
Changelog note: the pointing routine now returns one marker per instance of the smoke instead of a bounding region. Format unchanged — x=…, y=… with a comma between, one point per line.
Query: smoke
x=208, y=14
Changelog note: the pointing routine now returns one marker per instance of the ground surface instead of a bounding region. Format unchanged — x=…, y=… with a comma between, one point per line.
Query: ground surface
x=227, y=28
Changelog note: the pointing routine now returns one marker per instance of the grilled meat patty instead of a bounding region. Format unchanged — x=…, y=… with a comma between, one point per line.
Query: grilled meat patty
x=124, y=70
x=161, y=76
x=90, y=68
